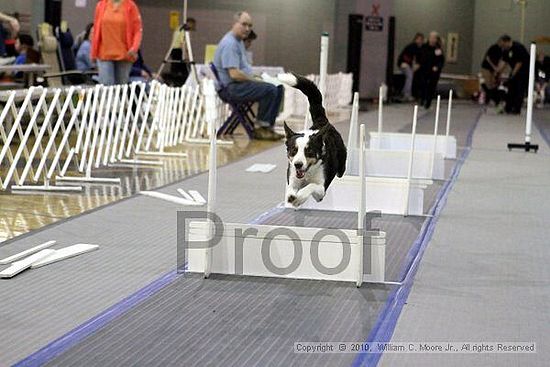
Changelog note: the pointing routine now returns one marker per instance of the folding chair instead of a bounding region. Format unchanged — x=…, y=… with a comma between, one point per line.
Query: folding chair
x=241, y=113
x=49, y=50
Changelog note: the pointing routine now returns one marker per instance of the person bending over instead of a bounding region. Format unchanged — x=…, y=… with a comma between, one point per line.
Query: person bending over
x=490, y=68
x=237, y=82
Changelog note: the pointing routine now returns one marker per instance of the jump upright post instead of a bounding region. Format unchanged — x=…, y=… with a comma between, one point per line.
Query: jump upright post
x=527, y=146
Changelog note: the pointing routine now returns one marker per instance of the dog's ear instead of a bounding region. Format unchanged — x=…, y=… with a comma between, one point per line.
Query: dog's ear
x=288, y=131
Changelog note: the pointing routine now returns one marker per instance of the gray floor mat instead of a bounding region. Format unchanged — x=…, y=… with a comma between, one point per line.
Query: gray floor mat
x=233, y=321
x=138, y=244
x=484, y=277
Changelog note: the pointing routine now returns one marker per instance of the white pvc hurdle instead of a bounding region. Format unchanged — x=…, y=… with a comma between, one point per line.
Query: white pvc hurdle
x=391, y=195
x=394, y=163
x=242, y=249
x=445, y=145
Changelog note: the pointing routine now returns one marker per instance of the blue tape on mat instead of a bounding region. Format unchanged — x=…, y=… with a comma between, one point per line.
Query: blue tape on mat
x=86, y=329
x=73, y=337
x=382, y=330
x=268, y=214
x=387, y=320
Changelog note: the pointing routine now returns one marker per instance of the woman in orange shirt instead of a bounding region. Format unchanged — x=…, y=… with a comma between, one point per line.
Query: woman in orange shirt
x=116, y=39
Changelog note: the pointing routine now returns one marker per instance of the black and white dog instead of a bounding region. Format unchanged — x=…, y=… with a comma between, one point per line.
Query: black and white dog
x=316, y=155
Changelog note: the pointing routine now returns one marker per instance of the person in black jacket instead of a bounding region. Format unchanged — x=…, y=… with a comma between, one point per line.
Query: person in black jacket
x=542, y=77
x=408, y=63
x=431, y=62
x=517, y=56
x=490, y=67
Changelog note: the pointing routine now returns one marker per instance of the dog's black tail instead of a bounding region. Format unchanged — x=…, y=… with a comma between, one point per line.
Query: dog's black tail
x=313, y=95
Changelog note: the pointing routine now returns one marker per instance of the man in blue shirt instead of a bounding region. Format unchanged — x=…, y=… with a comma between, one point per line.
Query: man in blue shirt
x=237, y=83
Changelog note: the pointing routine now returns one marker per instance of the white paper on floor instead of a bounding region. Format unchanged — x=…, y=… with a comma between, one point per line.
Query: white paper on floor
x=261, y=167
x=167, y=197
x=65, y=253
x=193, y=196
x=18, y=266
x=20, y=255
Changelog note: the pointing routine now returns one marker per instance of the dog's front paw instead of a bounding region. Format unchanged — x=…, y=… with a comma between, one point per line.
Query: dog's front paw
x=300, y=199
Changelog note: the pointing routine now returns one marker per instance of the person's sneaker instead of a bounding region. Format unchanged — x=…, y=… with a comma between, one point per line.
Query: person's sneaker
x=265, y=133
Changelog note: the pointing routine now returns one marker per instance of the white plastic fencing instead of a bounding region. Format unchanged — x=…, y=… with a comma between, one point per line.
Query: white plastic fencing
x=43, y=131
x=338, y=93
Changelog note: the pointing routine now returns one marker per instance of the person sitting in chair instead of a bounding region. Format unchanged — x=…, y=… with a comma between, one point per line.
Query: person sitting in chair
x=237, y=83
x=83, y=59
x=24, y=45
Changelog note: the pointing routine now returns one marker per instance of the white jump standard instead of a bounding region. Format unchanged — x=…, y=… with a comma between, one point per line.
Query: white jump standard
x=446, y=144
x=390, y=195
x=285, y=252
x=390, y=162
x=527, y=146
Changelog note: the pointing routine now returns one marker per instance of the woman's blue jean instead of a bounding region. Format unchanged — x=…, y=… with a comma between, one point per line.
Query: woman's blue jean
x=113, y=72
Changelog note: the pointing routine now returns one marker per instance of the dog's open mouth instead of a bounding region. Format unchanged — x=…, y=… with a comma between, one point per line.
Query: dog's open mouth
x=300, y=173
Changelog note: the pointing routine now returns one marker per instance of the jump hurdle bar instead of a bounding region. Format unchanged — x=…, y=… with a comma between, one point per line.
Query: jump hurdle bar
x=446, y=144
x=223, y=257
x=394, y=162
